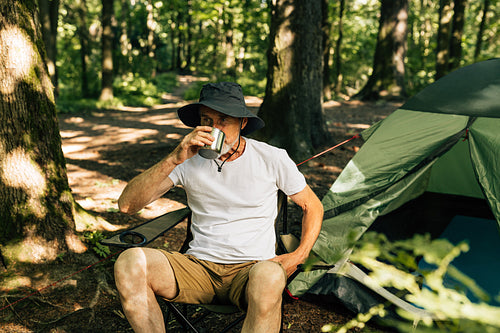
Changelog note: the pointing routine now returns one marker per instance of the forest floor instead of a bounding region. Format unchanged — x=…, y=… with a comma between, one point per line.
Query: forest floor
x=104, y=150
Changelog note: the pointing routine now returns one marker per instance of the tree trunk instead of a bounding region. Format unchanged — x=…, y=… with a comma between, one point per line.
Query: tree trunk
x=338, y=50
x=107, y=51
x=180, y=40
x=125, y=45
x=189, y=37
x=228, y=44
x=151, y=46
x=83, y=36
x=456, y=34
x=292, y=107
x=387, y=80
x=36, y=219
x=480, y=33
x=443, y=37
x=325, y=28
x=49, y=14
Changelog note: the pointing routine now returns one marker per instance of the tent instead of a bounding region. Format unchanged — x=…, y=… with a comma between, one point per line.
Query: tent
x=431, y=165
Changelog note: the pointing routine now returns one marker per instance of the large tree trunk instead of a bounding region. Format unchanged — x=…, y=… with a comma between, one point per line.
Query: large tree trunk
x=36, y=218
x=107, y=51
x=49, y=14
x=387, y=79
x=292, y=107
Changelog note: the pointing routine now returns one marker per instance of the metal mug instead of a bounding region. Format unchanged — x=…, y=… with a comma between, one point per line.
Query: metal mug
x=212, y=151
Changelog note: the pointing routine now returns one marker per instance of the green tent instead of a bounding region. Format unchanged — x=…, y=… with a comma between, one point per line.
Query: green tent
x=435, y=158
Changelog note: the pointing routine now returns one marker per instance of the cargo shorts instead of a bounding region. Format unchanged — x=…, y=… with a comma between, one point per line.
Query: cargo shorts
x=205, y=282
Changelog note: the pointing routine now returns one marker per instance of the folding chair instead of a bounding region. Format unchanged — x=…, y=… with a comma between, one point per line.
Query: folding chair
x=147, y=232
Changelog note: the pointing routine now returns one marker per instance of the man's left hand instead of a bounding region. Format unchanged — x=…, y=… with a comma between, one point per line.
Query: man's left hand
x=289, y=261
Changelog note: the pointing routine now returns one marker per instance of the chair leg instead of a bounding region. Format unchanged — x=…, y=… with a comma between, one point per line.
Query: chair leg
x=181, y=318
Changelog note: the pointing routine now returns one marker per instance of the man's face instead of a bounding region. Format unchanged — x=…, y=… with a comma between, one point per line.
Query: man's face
x=227, y=124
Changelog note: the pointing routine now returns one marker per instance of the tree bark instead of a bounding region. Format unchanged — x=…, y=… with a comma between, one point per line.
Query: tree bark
x=36, y=218
x=107, y=51
x=292, y=107
x=387, y=80
x=49, y=14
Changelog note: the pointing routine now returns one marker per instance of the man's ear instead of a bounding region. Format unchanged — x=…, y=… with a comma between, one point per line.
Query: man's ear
x=244, y=122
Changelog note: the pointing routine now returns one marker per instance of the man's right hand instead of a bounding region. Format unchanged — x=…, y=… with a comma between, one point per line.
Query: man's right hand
x=154, y=182
x=191, y=143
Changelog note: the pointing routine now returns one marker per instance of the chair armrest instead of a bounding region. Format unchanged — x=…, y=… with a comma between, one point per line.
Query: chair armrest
x=148, y=231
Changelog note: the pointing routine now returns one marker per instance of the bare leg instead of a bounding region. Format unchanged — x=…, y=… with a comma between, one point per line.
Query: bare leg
x=140, y=274
x=266, y=282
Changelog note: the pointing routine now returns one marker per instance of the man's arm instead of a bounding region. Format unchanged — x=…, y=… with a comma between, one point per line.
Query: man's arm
x=311, y=225
x=154, y=182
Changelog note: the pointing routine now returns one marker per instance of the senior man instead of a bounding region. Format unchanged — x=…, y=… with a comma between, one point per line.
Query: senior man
x=233, y=199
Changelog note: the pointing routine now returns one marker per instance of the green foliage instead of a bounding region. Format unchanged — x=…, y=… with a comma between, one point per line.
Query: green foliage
x=394, y=265
x=193, y=92
x=93, y=238
x=228, y=40
x=129, y=90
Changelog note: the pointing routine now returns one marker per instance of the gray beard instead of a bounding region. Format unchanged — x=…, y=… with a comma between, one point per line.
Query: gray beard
x=227, y=147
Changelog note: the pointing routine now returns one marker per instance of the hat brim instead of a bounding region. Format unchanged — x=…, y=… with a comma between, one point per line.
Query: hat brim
x=190, y=116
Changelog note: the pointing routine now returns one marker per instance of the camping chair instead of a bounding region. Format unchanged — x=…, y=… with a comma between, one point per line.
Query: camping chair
x=147, y=232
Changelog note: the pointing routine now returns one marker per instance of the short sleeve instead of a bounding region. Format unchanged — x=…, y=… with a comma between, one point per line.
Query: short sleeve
x=176, y=176
x=290, y=180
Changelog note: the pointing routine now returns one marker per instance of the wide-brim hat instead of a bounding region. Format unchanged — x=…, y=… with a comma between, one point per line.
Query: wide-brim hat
x=226, y=98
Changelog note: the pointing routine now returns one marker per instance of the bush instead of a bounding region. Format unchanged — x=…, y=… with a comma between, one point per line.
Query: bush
x=395, y=265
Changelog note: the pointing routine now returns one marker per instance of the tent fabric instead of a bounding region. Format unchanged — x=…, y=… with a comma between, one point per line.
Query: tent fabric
x=444, y=140
x=470, y=90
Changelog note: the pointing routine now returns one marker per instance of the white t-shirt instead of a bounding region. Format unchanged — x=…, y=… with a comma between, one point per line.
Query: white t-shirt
x=234, y=210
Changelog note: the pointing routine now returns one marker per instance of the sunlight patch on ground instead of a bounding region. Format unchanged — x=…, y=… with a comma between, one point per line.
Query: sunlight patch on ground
x=71, y=134
x=160, y=207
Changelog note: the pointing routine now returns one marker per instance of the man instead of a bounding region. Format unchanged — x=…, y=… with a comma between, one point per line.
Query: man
x=231, y=258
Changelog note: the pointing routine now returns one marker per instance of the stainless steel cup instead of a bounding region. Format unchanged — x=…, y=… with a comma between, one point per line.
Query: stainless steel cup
x=212, y=151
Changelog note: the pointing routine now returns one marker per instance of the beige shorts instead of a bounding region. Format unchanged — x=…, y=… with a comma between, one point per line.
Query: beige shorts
x=205, y=282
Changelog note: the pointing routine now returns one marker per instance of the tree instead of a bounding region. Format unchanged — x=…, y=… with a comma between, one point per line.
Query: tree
x=325, y=28
x=479, y=41
x=292, y=107
x=49, y=17
x=36, y=204
x=457, y=34
x=387, y=79
x=107, y=51
x=443, y=37
x=338, y=49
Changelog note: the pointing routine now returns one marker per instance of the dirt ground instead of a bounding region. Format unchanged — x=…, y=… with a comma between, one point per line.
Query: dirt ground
x=104, y=150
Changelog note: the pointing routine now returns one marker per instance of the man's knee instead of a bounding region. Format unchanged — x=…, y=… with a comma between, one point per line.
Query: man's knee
x=129, y=266
x=267, y=278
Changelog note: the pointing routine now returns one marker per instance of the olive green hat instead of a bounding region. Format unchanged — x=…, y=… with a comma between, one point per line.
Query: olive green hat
x=226, y=98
